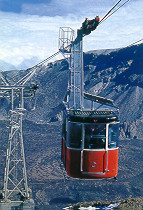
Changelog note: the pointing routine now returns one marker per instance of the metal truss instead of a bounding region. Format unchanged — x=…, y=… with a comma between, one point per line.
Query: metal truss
x=74, y=51
x=66, y=37
x=76, y=74
x=15, y=190
x=15, y=177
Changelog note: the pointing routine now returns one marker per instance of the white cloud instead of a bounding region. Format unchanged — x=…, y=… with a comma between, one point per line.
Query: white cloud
x=24, y=36
x=27, y=36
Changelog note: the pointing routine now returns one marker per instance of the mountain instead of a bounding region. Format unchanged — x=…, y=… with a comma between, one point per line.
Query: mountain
x=4, y=66
x=115, y=74
x=27, y=63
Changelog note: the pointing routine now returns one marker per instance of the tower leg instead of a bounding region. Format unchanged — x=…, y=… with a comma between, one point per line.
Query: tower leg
x=15, y=179
x=5, y=205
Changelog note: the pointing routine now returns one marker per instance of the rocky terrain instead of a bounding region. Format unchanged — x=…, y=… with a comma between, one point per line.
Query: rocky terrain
x=131, y=203
x=115, y=74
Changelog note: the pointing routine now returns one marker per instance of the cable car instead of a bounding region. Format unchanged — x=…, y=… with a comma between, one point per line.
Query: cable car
x=90, y=125
x=90, y=139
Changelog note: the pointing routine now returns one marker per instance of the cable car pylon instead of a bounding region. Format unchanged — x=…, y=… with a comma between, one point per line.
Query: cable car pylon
x=15, y=190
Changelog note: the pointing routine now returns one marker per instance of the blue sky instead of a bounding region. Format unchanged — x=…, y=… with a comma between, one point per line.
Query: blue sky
x=30, y=27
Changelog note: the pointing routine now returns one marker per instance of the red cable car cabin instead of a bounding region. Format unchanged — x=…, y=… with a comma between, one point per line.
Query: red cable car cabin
x=90, y=141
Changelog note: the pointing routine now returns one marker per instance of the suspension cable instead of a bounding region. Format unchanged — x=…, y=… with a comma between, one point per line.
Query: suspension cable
x=110, y=10
x=105, y=18
x=24, y=79
x=134, y=43
x=45, y=60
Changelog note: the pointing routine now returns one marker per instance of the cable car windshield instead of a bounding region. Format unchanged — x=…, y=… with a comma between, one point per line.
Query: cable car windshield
x=113, y=135
x=95, y=136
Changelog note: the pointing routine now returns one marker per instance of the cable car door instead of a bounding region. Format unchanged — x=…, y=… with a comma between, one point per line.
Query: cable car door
x=94, y=156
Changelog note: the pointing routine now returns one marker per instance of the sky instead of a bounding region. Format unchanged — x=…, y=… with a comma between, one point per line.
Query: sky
x=30, y=28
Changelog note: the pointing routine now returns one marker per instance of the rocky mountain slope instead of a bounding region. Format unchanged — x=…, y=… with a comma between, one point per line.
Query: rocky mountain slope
x=115, y=74
x=119, y=75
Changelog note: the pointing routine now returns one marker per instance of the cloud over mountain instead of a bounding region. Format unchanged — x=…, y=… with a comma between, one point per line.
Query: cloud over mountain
x=29, y=33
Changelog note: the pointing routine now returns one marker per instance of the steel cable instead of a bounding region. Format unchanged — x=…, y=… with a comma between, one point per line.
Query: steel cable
x=110, y=10
x=105, y=18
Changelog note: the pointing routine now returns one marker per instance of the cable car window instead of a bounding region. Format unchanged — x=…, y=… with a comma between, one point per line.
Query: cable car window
x=95, y=136
x=74, y=135
x=113, y=135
